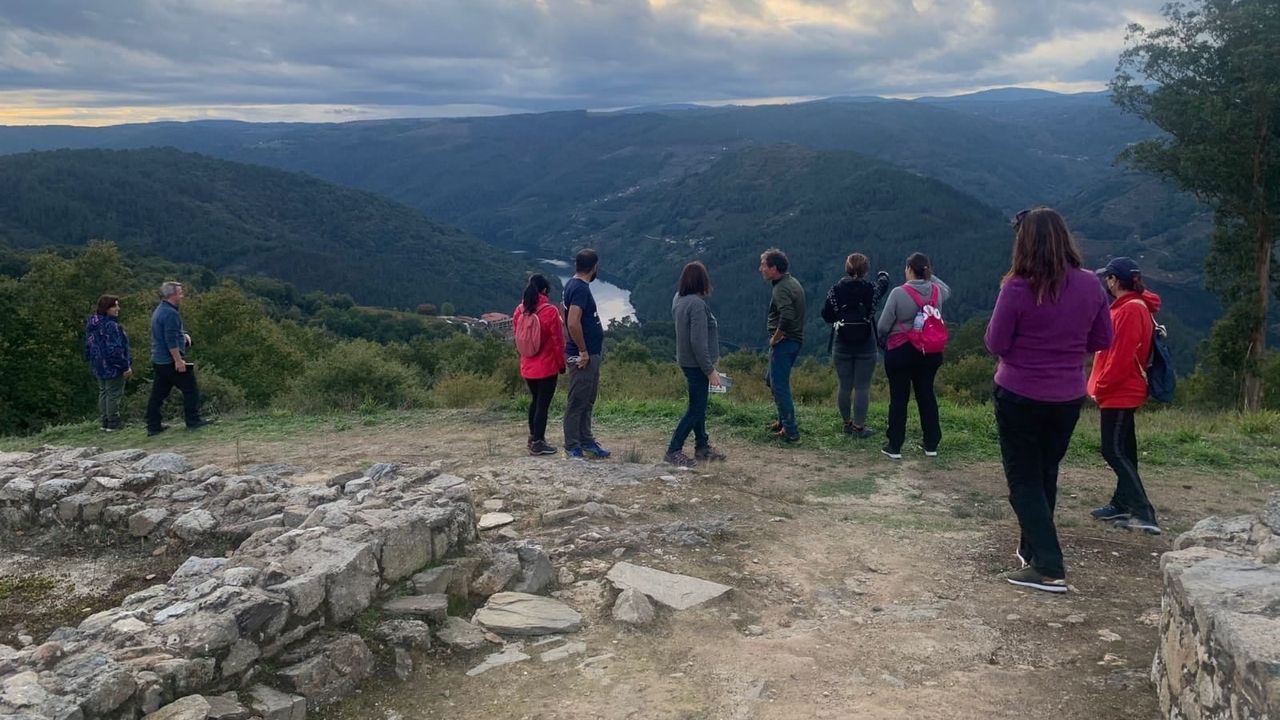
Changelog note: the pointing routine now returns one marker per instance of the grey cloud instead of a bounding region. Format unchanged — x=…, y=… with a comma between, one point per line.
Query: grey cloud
x=530, y=54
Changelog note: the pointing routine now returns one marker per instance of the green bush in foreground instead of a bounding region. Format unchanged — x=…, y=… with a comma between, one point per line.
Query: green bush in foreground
x=355, y=375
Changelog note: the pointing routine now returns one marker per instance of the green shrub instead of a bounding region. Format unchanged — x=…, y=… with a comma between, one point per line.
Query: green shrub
x=813, y=382
x=636, y=381
x=218, y=396
x=354, y=375
x=967, y=380
x=465, y=390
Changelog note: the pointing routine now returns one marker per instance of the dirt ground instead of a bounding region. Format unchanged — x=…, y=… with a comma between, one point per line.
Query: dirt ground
x=865, y=589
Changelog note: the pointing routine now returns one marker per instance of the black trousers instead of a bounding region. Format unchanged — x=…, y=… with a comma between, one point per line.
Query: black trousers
x=1034, y=437
x=541, y=392
x=166, y=379
x=907, y=368
x=1120, y=450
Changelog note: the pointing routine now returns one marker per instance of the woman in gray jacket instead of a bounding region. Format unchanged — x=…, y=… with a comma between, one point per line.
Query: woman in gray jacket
x=906, y=367
x=697, y=350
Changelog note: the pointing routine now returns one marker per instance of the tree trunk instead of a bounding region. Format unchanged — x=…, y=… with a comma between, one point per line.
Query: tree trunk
x=1253, y=386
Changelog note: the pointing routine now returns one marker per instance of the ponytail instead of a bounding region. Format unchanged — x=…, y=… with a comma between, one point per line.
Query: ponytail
x=538, y=285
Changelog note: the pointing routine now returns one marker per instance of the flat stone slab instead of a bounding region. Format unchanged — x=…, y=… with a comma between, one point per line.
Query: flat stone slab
x=679, y=592
x=491, y=520
x=513, y=613
x=512, y=654
x=458, y=633
x=435, y=606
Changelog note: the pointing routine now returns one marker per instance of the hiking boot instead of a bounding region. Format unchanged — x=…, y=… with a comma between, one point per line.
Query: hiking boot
x=679, y=459
x=201, y=424
x=152, y=432
x=1030, y=577
x=774, y=426
x=574, y=454
x=848, y=427
x=540, y=447
x=783, y=435
x=890, y=452
x=595, y=451
x=1108, y=512
x=863, y=433
x=708, y=454
x=1136, y=523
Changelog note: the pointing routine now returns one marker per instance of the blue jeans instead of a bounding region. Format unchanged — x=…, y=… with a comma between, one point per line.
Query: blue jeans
x=695, y=416
x=782, y=358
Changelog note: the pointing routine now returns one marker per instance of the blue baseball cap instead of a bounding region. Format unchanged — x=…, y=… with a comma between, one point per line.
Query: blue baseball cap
x=1122, y=268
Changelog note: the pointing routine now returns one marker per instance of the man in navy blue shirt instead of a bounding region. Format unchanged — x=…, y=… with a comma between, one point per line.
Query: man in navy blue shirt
x=169, y=343
x=583, y=348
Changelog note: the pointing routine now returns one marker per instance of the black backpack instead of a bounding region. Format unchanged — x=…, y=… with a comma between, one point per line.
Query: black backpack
x=854, y=326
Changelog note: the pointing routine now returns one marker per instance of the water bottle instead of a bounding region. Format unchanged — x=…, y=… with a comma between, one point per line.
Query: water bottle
x=918, y=323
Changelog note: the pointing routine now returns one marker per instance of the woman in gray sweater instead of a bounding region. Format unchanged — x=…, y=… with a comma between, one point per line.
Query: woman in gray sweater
x=697, y=350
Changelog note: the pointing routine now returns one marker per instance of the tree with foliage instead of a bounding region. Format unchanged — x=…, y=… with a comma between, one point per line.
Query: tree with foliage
x=1210, y=80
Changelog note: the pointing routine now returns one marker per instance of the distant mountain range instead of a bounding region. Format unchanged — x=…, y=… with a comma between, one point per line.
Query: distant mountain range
x=550, y=183
x=248, y=220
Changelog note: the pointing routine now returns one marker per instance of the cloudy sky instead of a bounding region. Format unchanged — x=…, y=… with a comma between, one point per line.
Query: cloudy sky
x=112, y=61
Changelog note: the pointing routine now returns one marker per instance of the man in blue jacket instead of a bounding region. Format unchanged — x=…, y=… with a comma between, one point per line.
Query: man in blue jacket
x=169, y=343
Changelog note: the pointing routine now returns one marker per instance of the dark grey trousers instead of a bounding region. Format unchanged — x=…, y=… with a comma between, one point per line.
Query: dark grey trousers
x=854, y=369
x=584, y=385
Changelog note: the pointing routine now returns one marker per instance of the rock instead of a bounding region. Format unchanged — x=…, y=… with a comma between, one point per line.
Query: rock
x=18, y=490
x=23, y=690
x=564, y=651
x=413, y=634
x=494, y=505
x=343, y=478
x=241, y=657
x=347, y=571
x=171, y=462
x=274, y=470
x=565, y=577
x=404, y=663
x=755, y=630
x=491, y=520
x=443, y=482
x=16, y=458
x=633, y=607
x=1075, y=619
x=51, y=491
x=191, y=707
x=225, y=708
x=679, y=592
x=274, y=705
x=188, y=495
x=47, y=655
x=435, y=607
x=194, y=525
x=559, y=516
x=198, y=568
x=118, y=456
x=460, y=634
x=357, y=486
x=432, y=581
x=498, y=575
x=513, y=613
x=145, y=522
x=536, y=571
x=380, y=471
x=511, y=654
x=1268, y=551
x=334, y=673
x=1271, y=514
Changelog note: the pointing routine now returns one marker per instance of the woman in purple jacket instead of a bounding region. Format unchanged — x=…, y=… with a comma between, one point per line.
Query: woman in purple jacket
x=1050, y=315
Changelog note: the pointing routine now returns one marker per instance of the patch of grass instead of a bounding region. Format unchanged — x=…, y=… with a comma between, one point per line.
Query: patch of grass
x=859, y=487
x=26, y=589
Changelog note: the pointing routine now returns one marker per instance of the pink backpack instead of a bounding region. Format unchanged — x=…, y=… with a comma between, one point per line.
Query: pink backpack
x=928, y=333
x=528, y=333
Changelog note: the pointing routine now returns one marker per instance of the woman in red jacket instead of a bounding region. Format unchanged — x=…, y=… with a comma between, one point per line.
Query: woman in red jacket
x=542, y=364
x=1118, y=384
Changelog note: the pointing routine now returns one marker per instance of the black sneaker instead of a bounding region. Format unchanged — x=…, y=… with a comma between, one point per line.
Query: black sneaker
x=864, y=433
x=890, y=452
x=848, y=427
x=708, y=454
x=201, y=424
x=152, y=432
x=1030, y=577
x=542, y=447
x=1136, y=523
x=1108, y=512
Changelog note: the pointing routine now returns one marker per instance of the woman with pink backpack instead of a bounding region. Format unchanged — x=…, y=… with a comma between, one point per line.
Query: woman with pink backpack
x=539, y=338
x=914, y=337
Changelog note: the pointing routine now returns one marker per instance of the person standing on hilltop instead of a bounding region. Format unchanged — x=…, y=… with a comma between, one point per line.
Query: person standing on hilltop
x=850, y=308
x=913, y=353
x=1049, y=315
x=697, y=350
x=786, y=336
x=106, y=347
x=540, y=340
x=169, y=344
x=1118, y=384
x=584, y=348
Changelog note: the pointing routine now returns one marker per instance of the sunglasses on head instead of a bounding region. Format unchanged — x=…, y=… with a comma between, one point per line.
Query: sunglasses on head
x=1017, y=219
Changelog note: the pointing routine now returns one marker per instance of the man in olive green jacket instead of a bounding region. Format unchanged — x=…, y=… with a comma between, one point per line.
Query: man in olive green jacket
x=786, y=328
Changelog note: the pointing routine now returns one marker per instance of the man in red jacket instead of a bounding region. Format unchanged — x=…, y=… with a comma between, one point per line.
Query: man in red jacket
x=1118, y=384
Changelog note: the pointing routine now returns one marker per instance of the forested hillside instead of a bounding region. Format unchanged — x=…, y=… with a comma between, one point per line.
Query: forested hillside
x=816, y=206
x=247, y=220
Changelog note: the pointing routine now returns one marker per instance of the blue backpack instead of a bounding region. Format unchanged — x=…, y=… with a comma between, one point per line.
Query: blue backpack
x=1161, y=378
